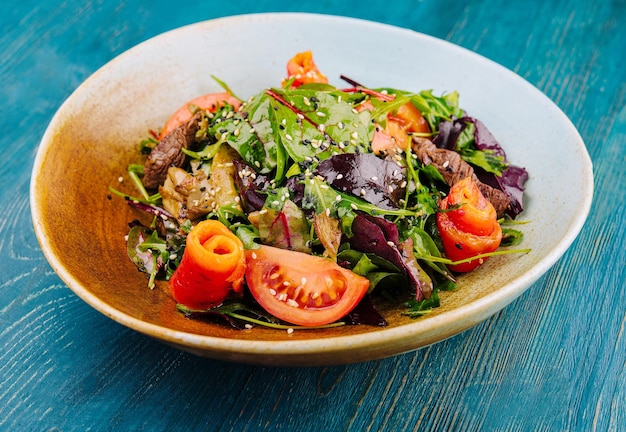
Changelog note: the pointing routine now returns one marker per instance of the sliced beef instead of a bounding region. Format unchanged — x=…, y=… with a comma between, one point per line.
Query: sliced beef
x=168, y=153
x=453, y=169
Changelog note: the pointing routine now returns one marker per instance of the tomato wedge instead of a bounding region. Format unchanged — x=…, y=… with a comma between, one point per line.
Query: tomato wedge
x=302, y=289
x=209, y=102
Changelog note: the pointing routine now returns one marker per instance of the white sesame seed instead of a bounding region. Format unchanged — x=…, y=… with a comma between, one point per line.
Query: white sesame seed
x=306, y=101
x=272, y=291
x=322, y=127
x=354, y=207
x=287, y=283
x=303, y=281
x=320, y=114
x=257, y=164
x=446, y=163
x=253, y=255
x=374, y=178
x=288, y=137
x=339, y=176
x=390, y=243
x=289, y=331
x=327, y=212
x=403, y=184
x=262, y=211
x=275, y=202
x=282, y=296
x=362, y=192
x=292, y=303
x=248, y=326
x=120, y=179
x=338, y=198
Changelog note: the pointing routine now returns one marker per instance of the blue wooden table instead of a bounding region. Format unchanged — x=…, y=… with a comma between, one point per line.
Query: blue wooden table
x=555, y=359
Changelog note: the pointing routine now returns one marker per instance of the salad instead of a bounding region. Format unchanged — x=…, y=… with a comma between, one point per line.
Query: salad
x=308, y=204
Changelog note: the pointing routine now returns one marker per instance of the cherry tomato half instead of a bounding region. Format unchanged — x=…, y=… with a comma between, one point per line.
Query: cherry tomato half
x=209, y=102
x=469, y=230
x=302, y=289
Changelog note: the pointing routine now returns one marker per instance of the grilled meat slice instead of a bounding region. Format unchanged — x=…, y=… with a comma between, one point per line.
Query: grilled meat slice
x=168, y=153
x=453, y=169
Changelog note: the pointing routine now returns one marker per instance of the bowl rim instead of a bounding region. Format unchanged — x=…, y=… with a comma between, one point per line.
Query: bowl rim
x=456, y=320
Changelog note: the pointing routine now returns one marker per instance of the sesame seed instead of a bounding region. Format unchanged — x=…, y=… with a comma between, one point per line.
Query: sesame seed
x=322, y=127
x=120, y=179
x=374, y=178
x=306, y=101
x=289, y=331
x=327, y=212
x=339, y=176
x=282, y=296
x=320, y=114
x=363, y=192
x=275, y=202
x=446, y=163
x=253, y=255
x=252, y=130
x=288, y=137
x=287, y=283
x=274, y=276
x=248, y=326
x=262, y=211
x=257, y=164
x=340, y=125
x=390, y=243
x=303, y=280
x=292, y=303
x=354, y=207
x=272, y=291
x=338, y=198
x=403, y=184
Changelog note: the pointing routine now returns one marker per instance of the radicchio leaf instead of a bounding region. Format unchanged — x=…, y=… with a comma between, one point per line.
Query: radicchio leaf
x=365, y=313
x=513, y=178
x=376, y=235
x=366, y=176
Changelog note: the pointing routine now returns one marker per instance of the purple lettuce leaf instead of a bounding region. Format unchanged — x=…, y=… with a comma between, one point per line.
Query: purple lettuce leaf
x=365, y=175
x=378, y=236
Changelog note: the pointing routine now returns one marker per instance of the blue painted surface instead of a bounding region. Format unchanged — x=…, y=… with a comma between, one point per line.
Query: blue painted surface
x=553, y=360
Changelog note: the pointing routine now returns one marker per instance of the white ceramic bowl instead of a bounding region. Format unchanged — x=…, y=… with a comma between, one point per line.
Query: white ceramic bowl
x=92, y=138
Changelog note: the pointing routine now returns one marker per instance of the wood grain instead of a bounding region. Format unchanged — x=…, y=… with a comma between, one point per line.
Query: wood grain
x=554, y=360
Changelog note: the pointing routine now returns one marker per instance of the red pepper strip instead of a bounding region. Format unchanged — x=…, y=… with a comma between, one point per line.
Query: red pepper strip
x=469, y=230
x=212, y=267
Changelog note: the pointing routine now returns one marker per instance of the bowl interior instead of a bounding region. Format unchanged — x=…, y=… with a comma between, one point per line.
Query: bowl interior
x=94, y=136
